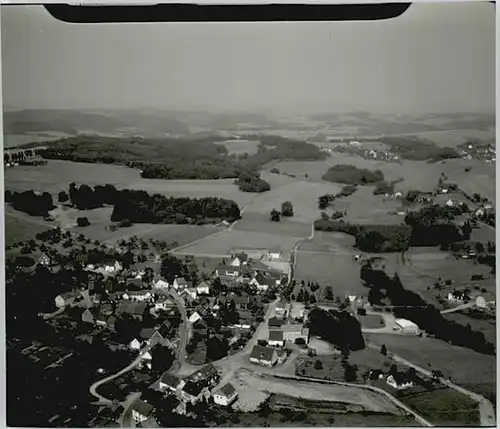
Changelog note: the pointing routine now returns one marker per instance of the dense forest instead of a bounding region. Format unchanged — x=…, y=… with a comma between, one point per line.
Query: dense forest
x=188, y=157
x=352, y=175
x=411, y=306
x=338, y=328
x=33, y=203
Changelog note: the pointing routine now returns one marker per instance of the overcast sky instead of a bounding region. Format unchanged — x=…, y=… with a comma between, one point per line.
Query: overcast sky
x=435, y=57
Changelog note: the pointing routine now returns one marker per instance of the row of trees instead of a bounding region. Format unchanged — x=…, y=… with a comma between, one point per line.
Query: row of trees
x=20, y=156
x=370, y=238
x=286, y=211
x=327, y=200
x=410, y=305
x=352, y=175
x=252, y=183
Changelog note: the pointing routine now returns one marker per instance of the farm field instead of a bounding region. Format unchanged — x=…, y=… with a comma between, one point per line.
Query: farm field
x=483, y=234
x=487, y=327
x=240, y=147
x=465, y=367
x=20, y=229
x=14, y=140
x=222, y=244
x=417, y=174
x=254, y=389
x=426, y=264
x=444, y=407
x=453, y=138
x=261, y=222
x=303, y=195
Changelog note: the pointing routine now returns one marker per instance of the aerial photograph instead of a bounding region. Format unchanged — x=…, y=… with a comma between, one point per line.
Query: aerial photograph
x=253, y=224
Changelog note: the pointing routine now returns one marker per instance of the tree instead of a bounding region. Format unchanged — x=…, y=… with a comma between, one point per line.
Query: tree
x=383, y=350
x=275, y=215
x=62, y=197
x=479, y=247
x=324, y=216
x=287, y=209
x=329, y=293
x=318, y=364
x=82, y=221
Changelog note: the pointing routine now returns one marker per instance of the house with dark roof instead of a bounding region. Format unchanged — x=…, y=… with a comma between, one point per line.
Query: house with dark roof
x=276, y=338
x=399, y=381
x=207, y=373
x=266, y=356
x=226, y=395
x=170, y=383
x=152, y=336
x=224, y=270
x=274, y=322
x=194, y=392
x=150, y=422
x=141, y=411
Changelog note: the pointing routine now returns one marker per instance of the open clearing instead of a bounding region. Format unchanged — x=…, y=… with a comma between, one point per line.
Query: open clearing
x=419, y=175
x=465, y=367
x=239, y=147
x=222, y=244
x=261, y=222
x=444, y=407
x=254, y=389
x=19, y=229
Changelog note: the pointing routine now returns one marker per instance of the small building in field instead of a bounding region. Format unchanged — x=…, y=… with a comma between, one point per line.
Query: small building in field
x=226, y=395
x=399, y=381
x=266, y=356
x=407, y=326
x=44, y=260
x=276, y=338
x=480, y=302
x=141, y=411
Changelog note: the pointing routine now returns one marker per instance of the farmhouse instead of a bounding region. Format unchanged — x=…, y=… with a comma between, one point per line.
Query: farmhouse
x=141, y=411
x=407, y=327
x=225, y=395
x=292, y=332
x=266, y=356
x=227, y=271
x=262, y=283
x=457, y=296
x=208, y=374
x=111, y=266
x=203, y=288
x=180, y=283
x=276, y=338
x=170, y=383
x=65, y=299
x=194, y=392
x=161, y=284
x=399, y=381
x=274, y=253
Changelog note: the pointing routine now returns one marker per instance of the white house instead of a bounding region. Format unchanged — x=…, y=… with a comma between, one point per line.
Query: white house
x=135, y=344
x=450, y=203
x=456, y=296
x=140, y=295
x=64, y=299
x=407, y=326
x=190, y=293
x=141, y=411
x=399, y=381
x=171, y=383
x=236, y=262
x=225, y=395
x=262, y=283
x=146, y=359
x=276, y=338
x=480, y=212
x=203, y=288
x=480, y=302
x=274, y=254
x=227, y=271
x=164, y=303
x=111, y=266
x=194, y=317
x=161, y=284
x=179, y=283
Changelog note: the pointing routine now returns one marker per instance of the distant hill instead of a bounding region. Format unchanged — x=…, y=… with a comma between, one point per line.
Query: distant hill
x=75, y=122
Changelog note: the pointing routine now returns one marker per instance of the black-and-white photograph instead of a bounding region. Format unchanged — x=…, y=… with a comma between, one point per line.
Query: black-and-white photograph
x=250, y=224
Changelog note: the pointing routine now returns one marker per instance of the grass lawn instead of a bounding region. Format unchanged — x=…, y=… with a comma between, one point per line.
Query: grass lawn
x=20, y=229
x=371, y=321
x=260, y=222
x=486, y=326
x=444, y=407
x=465, y=367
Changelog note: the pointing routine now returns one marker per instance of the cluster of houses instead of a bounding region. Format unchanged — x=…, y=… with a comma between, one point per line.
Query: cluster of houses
x=242, y=270
x=201, y=385
x=282, y=329
x=395, y=379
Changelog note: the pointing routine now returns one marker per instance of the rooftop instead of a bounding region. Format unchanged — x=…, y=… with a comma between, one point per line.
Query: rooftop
x=170, y=379
x=275, y=335
x=142, y=407
x=264, y=353
x=227, y=390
